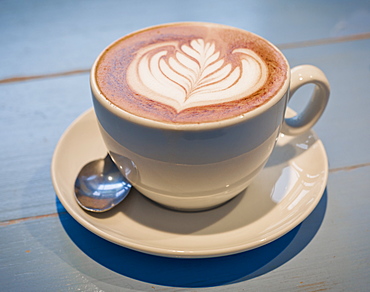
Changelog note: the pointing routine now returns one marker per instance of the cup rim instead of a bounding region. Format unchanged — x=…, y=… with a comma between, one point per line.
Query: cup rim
x=196, y=126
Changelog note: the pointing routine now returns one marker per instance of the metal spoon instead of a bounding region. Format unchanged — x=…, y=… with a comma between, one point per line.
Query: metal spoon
x=100, y=185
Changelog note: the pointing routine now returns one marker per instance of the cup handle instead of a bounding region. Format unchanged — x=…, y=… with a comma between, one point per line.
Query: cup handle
x=305, y=120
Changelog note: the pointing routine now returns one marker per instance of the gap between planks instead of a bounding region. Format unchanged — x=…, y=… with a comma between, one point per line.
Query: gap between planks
x=293, y=45
x=348, y=168
x=20, y=220
x=327, y=41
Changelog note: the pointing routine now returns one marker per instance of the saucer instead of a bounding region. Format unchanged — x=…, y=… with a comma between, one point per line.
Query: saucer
x=281, y=197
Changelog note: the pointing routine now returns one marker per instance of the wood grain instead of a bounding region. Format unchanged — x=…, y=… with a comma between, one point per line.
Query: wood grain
x=47, y=48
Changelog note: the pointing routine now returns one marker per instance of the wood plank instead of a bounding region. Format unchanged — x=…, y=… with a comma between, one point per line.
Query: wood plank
x=43, y=249
x=344, y=126
x=32, y=126
x=52, y=37
x=33, y=116
x=328, y=251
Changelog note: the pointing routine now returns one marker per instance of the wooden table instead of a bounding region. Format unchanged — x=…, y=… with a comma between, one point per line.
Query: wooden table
x=47, y=48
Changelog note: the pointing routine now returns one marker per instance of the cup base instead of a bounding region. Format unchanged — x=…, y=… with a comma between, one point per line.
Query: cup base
x=187, y=208
x=195, y=210
x=197, y=203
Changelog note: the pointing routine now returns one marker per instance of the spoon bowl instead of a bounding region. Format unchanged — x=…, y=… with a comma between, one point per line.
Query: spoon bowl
x=100, y=186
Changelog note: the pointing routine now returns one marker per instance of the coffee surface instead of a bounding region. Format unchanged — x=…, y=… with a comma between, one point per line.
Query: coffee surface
x=190, y=72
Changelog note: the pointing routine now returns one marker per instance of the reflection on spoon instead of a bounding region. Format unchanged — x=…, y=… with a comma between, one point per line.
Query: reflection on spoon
x=100, y=186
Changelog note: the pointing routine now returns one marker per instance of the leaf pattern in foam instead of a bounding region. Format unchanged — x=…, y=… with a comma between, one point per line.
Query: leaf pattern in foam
x=195, y=74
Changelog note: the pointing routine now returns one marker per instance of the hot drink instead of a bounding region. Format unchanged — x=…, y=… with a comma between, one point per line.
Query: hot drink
x=190, y=112
x=190, y=72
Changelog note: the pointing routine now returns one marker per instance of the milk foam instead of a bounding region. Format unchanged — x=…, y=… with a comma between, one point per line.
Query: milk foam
x=190, y=73
x=195, y=74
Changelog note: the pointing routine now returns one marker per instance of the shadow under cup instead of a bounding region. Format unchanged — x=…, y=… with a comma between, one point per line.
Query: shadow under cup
x=190, y=168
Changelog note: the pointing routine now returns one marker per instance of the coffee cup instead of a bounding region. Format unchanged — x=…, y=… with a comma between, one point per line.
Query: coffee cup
x=190, y=112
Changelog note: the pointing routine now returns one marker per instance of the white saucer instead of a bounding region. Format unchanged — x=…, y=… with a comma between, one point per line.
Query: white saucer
x=281, y=197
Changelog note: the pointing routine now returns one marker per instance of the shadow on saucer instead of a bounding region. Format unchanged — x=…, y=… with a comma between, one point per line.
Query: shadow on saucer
x=194, y=273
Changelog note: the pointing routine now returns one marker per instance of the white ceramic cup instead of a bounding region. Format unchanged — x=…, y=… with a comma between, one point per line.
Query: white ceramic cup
x=195, y=167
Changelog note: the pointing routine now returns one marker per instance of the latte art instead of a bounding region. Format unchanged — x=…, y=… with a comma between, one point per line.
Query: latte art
x=185, y=76
x=190, y=73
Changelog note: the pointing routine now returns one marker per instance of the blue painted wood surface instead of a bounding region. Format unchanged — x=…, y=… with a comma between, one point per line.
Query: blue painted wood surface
x=47, y=48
